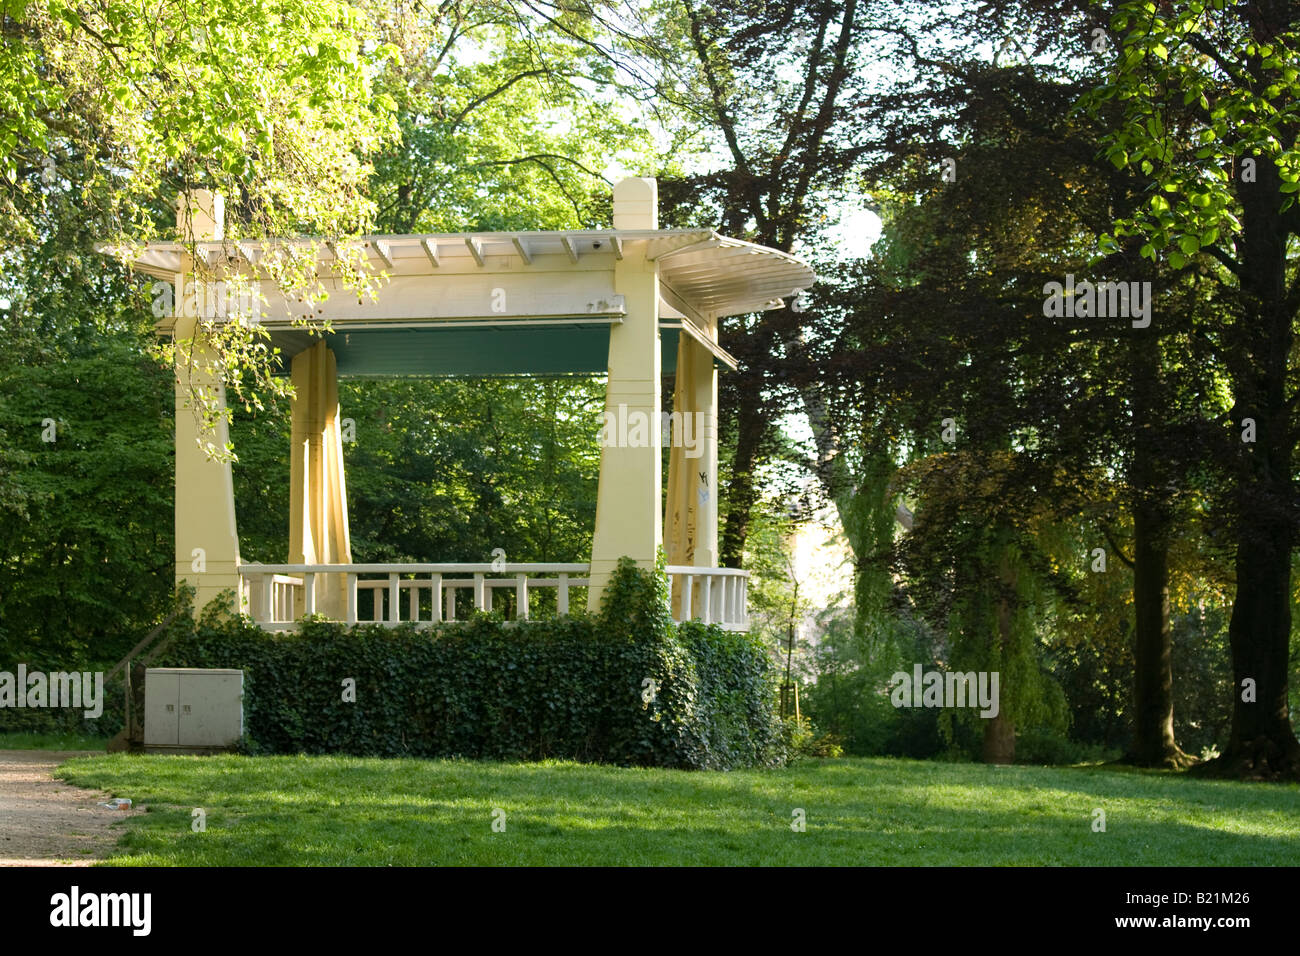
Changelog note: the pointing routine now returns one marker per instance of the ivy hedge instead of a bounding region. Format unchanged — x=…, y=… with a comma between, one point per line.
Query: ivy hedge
x=626, y=686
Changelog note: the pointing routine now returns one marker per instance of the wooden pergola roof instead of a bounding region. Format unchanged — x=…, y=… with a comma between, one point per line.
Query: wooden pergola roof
x=713, y=273
x=431, y=314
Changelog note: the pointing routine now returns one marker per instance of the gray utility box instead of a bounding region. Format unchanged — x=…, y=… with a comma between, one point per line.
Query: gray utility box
x=192, y=709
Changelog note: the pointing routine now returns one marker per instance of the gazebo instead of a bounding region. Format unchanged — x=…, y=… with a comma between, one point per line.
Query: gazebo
x=632, y=302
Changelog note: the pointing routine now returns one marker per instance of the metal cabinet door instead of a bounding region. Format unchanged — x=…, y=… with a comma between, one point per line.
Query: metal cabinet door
x=162, y=694
x=211, y=709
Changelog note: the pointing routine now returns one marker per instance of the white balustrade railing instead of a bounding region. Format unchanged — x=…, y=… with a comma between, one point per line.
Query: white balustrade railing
x=712, y=595
x=283, y=588
x=278, y=594
x=423, y=593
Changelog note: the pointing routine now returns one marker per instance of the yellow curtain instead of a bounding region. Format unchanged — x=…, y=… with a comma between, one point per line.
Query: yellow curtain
x=318, y=510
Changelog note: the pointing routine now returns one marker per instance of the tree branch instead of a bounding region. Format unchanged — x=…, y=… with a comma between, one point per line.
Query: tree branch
x=1119, y=552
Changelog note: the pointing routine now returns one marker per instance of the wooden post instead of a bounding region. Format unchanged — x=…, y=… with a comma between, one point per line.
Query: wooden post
x=629, y=519
x=206, y=539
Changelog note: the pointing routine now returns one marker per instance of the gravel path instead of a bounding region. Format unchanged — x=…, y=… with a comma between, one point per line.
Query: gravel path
x=46, y=822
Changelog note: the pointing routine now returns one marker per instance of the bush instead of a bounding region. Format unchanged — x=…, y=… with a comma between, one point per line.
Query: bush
x=735, y=686
x=622, y=687
x=1050, y=747
x=68, y=721
x=803, y=740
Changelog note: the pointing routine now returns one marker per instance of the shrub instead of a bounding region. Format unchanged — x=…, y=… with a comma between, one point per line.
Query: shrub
x=803, y=740
x=1050, y=747
x=68, y=721
x=735, y=688
x=625, y=686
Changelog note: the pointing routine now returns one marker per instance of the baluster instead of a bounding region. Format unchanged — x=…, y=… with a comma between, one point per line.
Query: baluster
x=435, y=605
x=309, y=593
x=480, y=592
x=521, y=597
x=352, y=598
x=265, y=598
x=562, y=596
x=394, y=598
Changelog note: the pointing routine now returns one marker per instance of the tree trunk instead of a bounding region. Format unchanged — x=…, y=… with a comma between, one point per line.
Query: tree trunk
x=1153, y=676
x=741, y=490
x=1000, y=731
x=1262, y=744
x=999, y=740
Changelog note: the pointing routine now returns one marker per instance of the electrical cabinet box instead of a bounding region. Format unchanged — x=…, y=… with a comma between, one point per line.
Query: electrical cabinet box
x=193, y=709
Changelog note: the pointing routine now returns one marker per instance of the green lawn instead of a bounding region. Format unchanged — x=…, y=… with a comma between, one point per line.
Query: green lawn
x=343, y=810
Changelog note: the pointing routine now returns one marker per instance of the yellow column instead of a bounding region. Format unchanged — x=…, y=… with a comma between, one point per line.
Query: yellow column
x=206, y=539
x=318, y=503
x=691, y=524
x=629, y=519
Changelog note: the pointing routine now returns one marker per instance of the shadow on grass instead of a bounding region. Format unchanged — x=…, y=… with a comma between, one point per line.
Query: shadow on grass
x=354, y=811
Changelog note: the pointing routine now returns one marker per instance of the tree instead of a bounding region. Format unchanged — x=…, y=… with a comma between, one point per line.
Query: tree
x=1013, y=191
x=518, y=140
x=270, y=104
x=778, y=88
x=85, y=445
x=1210, y=111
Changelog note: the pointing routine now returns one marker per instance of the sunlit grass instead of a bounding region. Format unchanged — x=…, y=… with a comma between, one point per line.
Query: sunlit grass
x=371, y=812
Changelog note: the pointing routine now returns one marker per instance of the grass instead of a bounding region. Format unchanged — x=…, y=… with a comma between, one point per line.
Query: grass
x=25, y=741
x=371, y=812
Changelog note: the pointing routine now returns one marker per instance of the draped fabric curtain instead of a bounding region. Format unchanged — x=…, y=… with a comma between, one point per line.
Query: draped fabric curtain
x=318, y=515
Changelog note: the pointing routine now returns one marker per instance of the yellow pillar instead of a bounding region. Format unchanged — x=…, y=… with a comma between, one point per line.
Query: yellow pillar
x=206, y=538
x=629, y=519
x=691, y=524
x=318, y=502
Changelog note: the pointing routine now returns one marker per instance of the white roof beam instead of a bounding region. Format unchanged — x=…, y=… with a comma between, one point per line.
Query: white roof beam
x=710, y=243
x=475, y=248
x=250, y=252
x=431, y=250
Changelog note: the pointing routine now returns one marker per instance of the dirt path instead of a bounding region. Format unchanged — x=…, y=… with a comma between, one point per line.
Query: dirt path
x=46, y=822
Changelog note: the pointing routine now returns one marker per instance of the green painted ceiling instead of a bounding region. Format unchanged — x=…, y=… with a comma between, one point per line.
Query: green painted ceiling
x=482, y=351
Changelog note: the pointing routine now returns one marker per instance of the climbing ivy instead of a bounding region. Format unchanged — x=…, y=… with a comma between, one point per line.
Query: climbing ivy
x=625, y=686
